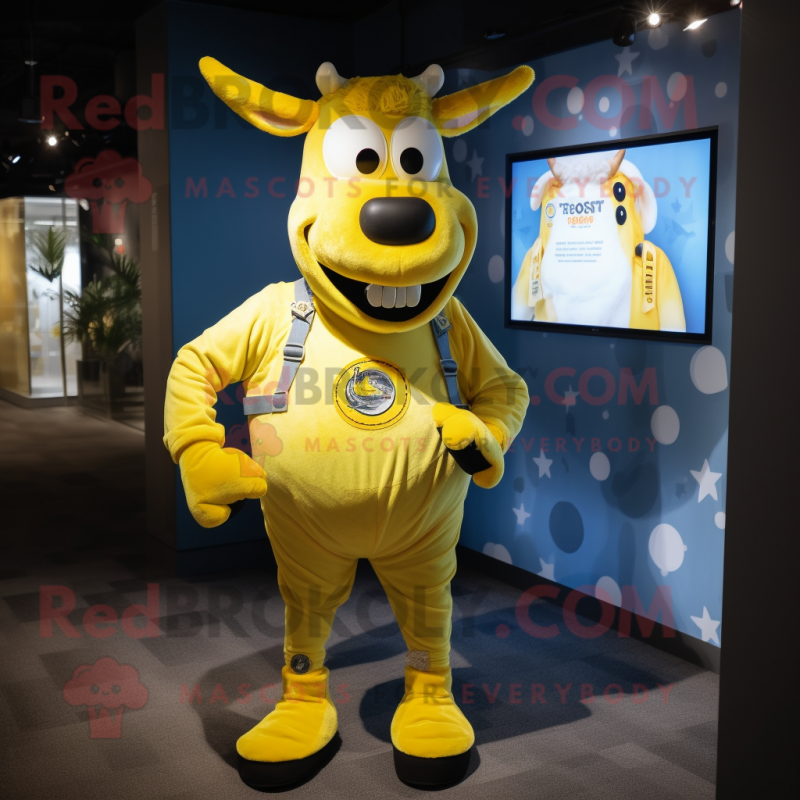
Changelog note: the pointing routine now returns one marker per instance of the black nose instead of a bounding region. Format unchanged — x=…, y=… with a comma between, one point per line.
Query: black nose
x=397, y=220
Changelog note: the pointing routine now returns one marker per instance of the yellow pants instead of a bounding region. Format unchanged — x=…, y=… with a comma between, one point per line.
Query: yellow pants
x=412, y=550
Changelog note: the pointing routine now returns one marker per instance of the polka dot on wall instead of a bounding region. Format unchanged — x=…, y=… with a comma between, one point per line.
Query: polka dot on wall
x=721, y=89
x=607, y=589
x=604, y=104
x=719, y=520
x=566, y=526
x=575, y=100
x=459, y=150
x=709, y=370
x=730, y=245
x=665, y=424
x=497, y=269
x=676, y=86
x=523, y=124
x=599, y=466
x=658, y=38
x=666, y=548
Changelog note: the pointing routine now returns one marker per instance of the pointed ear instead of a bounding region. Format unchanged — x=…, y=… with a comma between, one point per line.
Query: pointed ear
x=458, y=113
x=273, y=112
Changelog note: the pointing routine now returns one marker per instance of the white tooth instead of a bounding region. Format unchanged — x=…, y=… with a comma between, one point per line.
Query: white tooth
x=374, y=293
x=400, y=298
x=389, y=294
x=412, y=295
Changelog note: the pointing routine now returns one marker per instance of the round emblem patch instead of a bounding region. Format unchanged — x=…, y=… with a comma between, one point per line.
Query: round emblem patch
x=371, y=394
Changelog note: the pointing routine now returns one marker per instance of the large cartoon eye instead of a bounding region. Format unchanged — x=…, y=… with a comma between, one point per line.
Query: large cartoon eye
x=94, y=688
x=619, y=191
x=354, y=147
x=416, y=150
x=116, y=688
x=97, y=182
x=119, y=183
x=622, y=215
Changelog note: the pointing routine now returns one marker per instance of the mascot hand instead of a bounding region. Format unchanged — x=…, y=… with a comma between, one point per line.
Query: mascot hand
x=475, y=445
x=215, y=477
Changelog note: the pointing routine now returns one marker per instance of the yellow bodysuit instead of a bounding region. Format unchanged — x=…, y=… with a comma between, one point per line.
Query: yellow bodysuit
x=372, y=454
x=340, y=491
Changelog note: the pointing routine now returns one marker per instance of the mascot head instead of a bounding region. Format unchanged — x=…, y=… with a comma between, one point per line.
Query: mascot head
x=377, y=228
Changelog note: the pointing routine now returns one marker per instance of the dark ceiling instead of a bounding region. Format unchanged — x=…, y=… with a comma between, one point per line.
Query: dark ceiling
x=93, y=43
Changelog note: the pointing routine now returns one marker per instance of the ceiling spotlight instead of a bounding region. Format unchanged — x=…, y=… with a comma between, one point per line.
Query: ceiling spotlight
x=52, y=141
x=625, y=32
x=84, y=204
x=654, y=20
x=14, y=159
x=735, y=2
x=491, y=36
x=694, y=25
x=51, y=187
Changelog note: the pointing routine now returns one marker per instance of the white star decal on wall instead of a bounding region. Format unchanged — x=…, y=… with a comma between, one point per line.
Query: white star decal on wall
x=708, y=627
x=626, y=59
x=543, y=462
x=547, y=571
x=475, y=164
x=521, y=513
x=707, y=480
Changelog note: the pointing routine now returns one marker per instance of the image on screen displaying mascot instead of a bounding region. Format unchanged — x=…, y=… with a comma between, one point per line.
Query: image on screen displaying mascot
x=376, y=463
x=595, y=256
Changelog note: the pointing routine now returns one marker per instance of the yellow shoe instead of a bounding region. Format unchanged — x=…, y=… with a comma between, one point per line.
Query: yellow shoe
x=431, y=736
x=296, y=738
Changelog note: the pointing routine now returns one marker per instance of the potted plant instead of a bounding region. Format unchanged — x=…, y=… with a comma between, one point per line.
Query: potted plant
x=106, y=319
x=50, y=248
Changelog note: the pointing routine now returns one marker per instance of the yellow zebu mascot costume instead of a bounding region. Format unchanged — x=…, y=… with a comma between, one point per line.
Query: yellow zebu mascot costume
x=597, y=209
x=385, y=395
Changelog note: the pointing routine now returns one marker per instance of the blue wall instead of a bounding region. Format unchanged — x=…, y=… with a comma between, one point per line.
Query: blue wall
x=551, y=516
x=570, y=525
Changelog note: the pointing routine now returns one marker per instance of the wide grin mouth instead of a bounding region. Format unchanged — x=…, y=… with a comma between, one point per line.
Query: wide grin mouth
x=387, y=303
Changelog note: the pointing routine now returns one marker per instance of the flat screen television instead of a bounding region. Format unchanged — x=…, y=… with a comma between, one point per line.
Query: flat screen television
x=615, y=241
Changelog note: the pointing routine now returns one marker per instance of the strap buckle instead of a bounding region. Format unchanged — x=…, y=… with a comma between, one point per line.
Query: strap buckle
x=302, y=309
x=294, y=352
x=441, y=324
x=449, y=367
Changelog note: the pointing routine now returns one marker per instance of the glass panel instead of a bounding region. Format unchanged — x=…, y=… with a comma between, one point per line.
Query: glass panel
x=42, y=213
x=13, y=299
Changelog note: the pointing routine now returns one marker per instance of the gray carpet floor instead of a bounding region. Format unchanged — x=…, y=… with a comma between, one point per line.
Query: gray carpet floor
x=72, y=493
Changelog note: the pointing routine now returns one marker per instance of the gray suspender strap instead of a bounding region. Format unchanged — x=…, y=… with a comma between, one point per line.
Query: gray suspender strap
x=440, y=326
x=294, y=352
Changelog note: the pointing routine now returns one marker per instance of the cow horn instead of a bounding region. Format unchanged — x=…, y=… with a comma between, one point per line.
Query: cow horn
x=615, y=162
x=553, y=164
x=328, y=79
x=431, y=80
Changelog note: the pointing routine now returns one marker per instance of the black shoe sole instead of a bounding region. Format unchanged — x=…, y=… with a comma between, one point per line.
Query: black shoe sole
x=278, y=774
x=427, y=772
